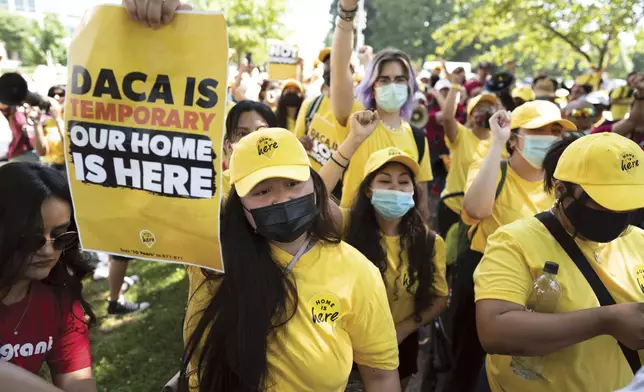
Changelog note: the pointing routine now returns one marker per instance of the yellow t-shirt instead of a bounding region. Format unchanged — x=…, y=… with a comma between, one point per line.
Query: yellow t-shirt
x=515, y=256
x=382, y=137
x=325, y=139
x=462, y=155
x=401, y=301
x=483, y=148
x=345, y=294
x=518, y=199
x=56, y=151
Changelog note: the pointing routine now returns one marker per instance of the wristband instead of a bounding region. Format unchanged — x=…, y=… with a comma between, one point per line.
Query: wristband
x=457, y=86
x=348, y=15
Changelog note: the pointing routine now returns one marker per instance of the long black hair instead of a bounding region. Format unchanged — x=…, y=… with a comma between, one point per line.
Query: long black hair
x=232, y=120
x=254, y=298
x=285, y=101
x=415, y=239
x=552, y=158
x=25, y=186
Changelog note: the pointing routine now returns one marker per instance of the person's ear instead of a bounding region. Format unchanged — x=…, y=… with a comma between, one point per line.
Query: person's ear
x=369, y=193
x=228, y=148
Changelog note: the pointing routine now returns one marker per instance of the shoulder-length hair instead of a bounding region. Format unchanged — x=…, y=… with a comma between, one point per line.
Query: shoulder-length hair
x=25, y=186
x=415, y=239
x=365, y=90
x=255, y=297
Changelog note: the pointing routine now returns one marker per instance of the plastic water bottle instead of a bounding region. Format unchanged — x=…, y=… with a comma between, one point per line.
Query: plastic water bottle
x=545, y=296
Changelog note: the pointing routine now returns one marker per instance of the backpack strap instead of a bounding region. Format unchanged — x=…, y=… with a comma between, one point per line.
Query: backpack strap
x=312, y=110
x=419, y=138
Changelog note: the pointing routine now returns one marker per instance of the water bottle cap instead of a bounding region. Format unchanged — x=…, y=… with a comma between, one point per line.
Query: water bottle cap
x=551, y=267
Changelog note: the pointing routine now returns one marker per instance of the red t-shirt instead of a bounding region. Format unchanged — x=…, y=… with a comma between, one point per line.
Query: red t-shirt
x=46, y=333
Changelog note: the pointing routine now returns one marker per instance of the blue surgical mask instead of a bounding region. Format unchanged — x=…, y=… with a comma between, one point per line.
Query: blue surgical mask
x=392, y=204
x=535, y=148
x=392, y=97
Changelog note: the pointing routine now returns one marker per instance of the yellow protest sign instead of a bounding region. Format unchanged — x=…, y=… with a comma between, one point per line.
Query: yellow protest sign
x=282, y=60
x=326, y=139
x=145, y=118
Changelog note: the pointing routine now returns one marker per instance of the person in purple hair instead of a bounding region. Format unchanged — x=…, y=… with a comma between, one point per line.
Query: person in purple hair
x=388, y=87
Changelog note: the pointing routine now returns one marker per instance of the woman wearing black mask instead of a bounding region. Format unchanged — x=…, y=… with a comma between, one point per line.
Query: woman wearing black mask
x=598, y=182
x=296, y=305
x=289, y=104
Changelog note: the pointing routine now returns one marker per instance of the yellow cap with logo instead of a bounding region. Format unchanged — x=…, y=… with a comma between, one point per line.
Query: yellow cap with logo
x=391, y=154
x=267, y=153
x=537, y=114
x=485, y=97
x=609, y=168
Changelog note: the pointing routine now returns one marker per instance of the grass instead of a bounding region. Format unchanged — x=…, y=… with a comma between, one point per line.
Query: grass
x=140, y=352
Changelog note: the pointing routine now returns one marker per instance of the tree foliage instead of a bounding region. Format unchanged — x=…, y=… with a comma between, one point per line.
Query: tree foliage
x=564, y=34
x=31, y=41
x=250, y=23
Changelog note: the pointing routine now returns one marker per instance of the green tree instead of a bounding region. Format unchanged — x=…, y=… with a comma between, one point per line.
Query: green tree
x=17, y=35
x=250, y=23
x=548, y=34
x=50, y=38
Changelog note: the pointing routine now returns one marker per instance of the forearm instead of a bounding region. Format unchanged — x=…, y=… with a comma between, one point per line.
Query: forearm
x=377, y=380
x=332, y=172
x=479, y=198
x=523, y=333
x=426, y=316
x=40, y=141
x=14, y=378
x=450, y=123
x=636, y=117
x=341, y=82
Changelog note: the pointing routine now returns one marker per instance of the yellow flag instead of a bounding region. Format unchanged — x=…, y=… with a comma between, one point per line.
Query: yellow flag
x=145, y=118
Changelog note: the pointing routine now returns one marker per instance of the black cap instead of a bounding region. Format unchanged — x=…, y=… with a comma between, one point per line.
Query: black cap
x=551, y=267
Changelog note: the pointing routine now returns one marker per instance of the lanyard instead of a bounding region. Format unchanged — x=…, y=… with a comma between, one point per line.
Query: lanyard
x=299, y=254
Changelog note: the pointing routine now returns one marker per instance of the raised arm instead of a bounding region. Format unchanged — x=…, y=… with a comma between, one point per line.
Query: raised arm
x=362, y=124
x=341, y=80
x=479, y=198
x=635, y=121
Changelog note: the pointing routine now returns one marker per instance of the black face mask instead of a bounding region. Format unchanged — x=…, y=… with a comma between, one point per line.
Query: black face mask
x=595, y=225
x=483, y=120
x=291, y=99
x=327, y=78
x=286, y=222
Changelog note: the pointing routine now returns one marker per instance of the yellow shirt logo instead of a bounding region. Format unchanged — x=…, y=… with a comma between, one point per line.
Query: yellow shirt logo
x=266, y=146
x=325, y=308
x=147, y=238
x=629, y=162
x=639, y=276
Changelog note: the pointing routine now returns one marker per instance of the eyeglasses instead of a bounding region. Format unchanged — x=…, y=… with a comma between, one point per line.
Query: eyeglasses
x=34, y=242
x=583, y=113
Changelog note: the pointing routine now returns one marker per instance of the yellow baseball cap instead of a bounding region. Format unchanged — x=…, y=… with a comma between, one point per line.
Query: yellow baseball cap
x=323, y=54
x=267, y=153
x=392, y=154
x=608, y=167
x=485, y=97
x=526, y=93
x=536, y=114
x=293, y=83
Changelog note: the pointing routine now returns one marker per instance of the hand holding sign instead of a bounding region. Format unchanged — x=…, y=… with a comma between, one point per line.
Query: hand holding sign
x=154, y=13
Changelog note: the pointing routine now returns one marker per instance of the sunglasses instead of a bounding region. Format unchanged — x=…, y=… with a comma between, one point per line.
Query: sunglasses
x=64, y=241
x=583, y=113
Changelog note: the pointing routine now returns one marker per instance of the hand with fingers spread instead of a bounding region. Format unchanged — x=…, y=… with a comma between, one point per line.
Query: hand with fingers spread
x=500, y=125
x=363, y=124
x=154, y=13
